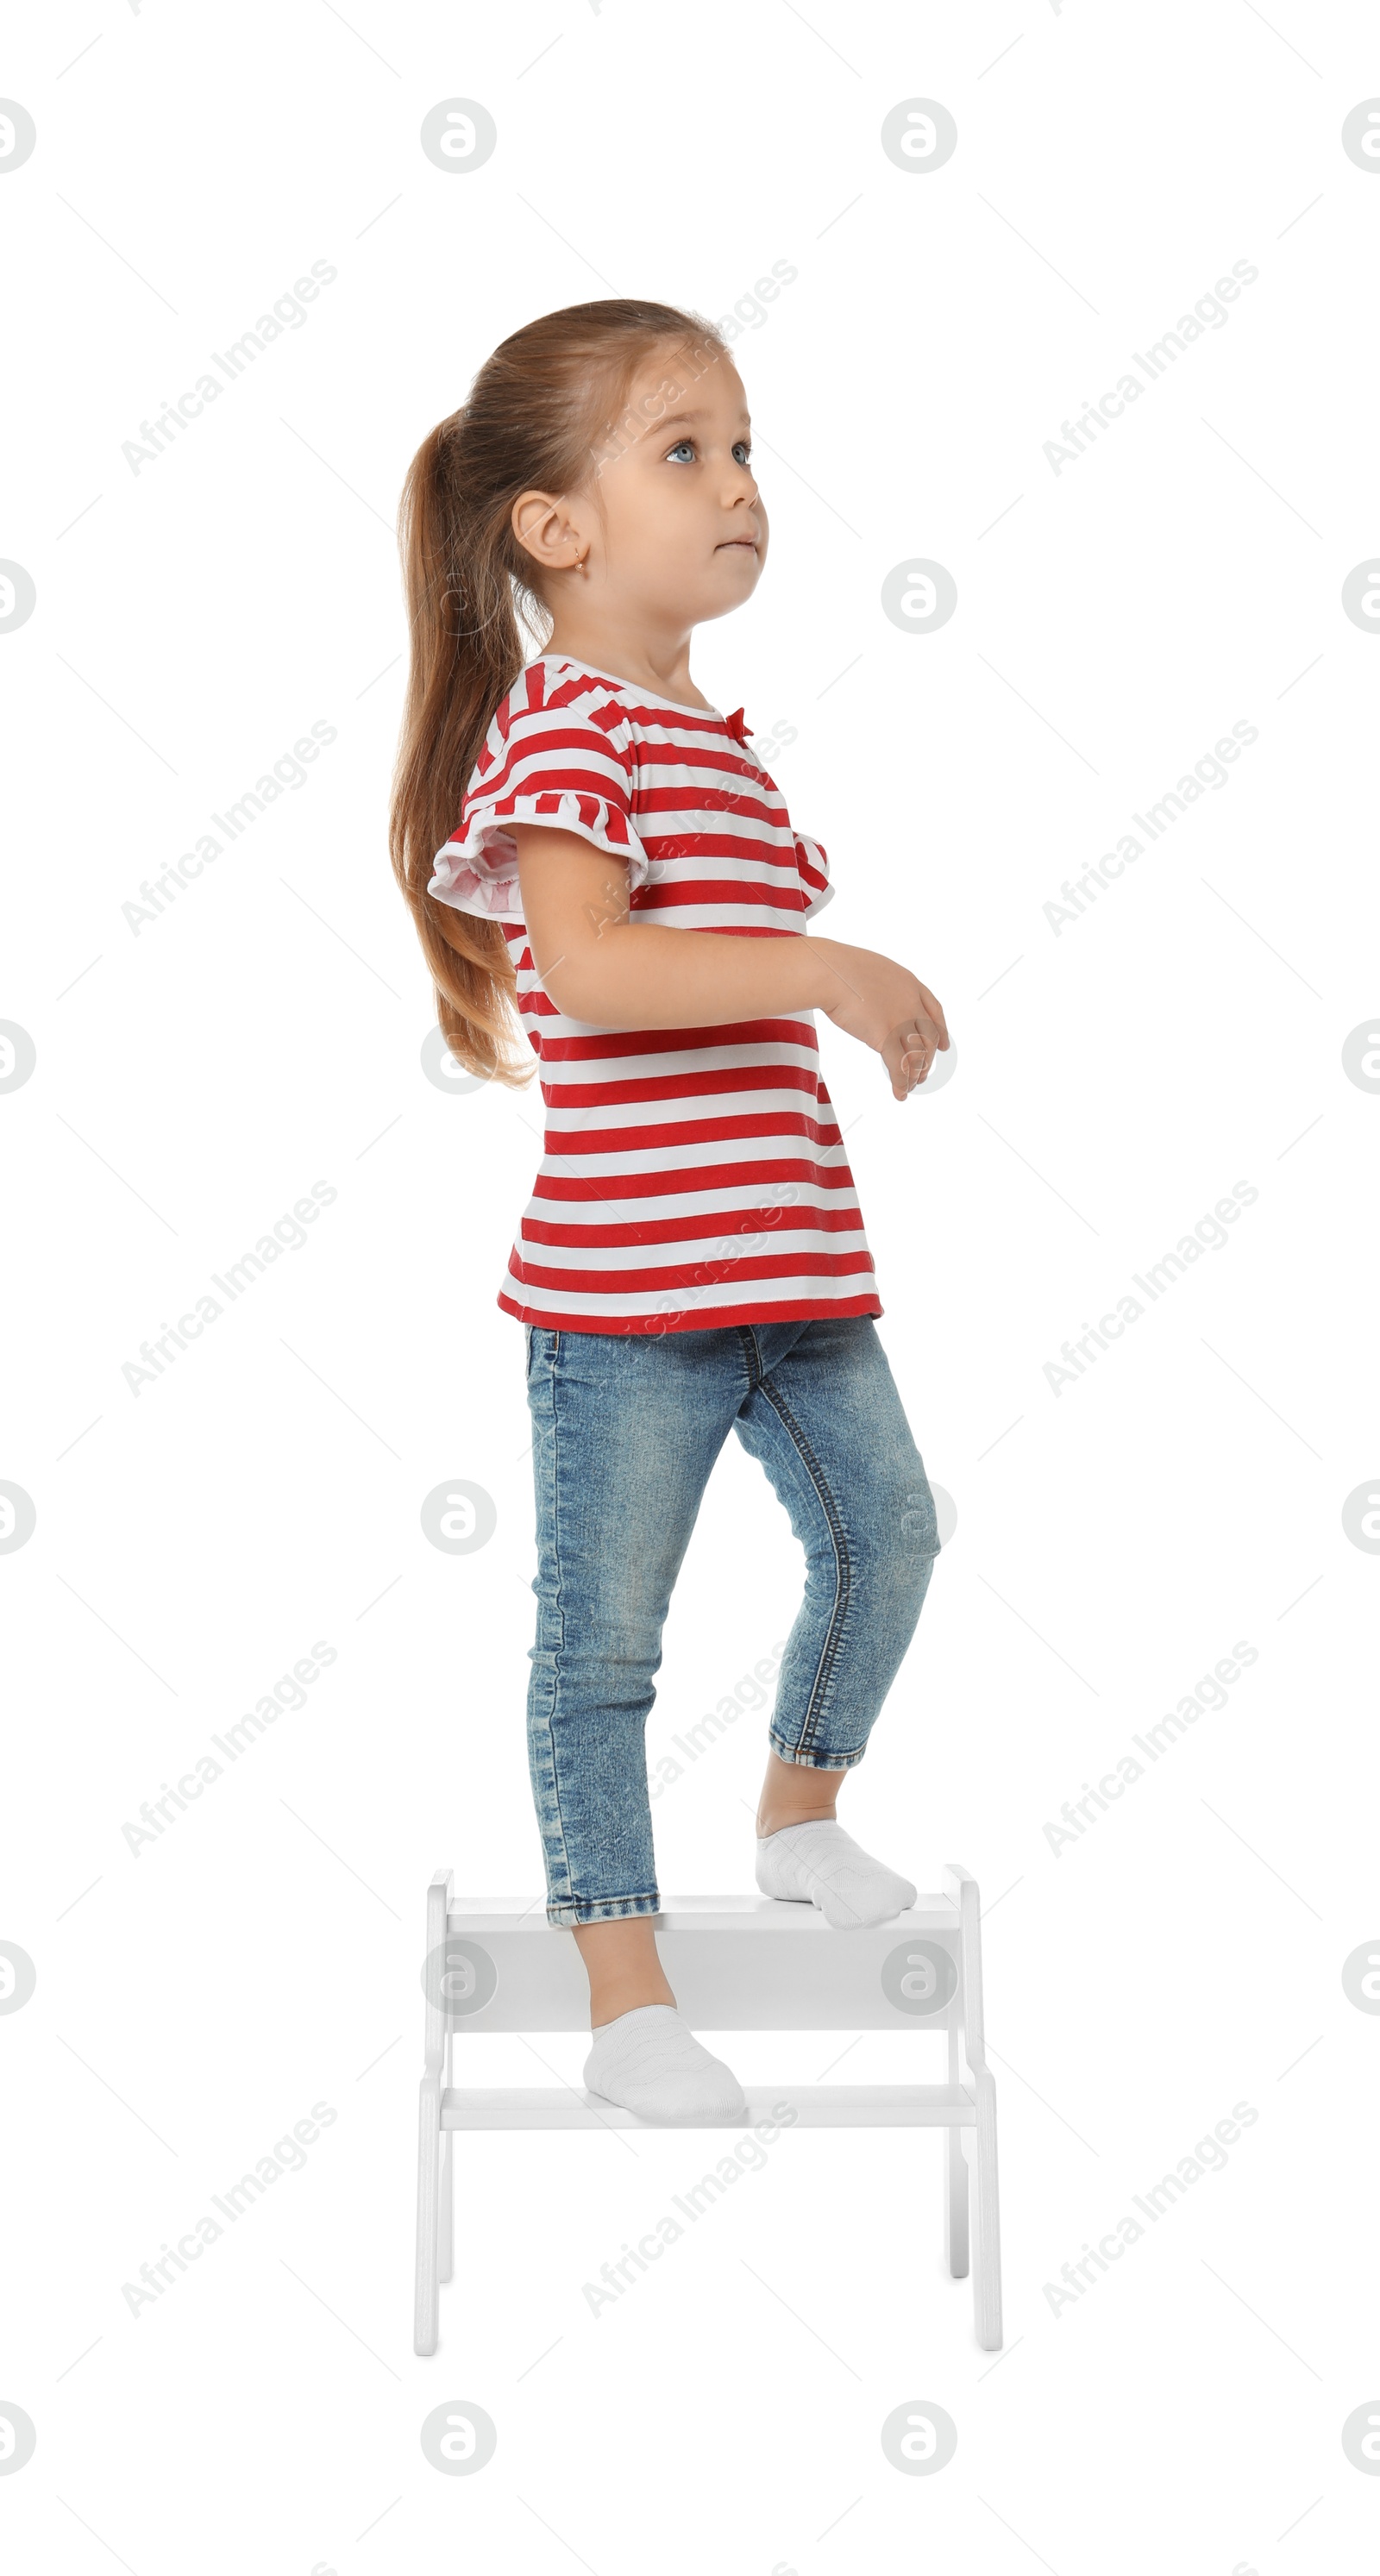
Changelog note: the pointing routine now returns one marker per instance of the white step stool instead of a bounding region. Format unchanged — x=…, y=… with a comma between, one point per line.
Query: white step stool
x=735, y=1963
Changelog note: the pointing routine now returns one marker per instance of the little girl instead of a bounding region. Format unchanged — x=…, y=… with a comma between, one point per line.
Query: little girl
x=584, y=834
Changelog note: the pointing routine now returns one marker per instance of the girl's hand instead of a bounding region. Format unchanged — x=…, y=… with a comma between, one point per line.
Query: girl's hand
x=888, y=1009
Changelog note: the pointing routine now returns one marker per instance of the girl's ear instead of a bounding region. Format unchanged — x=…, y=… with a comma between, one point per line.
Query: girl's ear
x=542, y=526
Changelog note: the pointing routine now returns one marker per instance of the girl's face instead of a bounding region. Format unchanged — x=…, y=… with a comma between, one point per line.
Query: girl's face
x=672, y=528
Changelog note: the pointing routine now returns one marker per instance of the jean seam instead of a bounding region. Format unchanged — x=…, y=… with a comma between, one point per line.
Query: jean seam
x=843, y=1590
x=752, y=1357
x=606, y=1909
x=838, y=1762
x=560, y=1628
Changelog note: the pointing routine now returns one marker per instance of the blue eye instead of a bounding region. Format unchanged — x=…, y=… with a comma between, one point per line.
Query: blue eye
x=742, y=448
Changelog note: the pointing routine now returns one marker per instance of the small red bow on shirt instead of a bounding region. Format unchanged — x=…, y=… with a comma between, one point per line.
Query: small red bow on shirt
x=737, y=727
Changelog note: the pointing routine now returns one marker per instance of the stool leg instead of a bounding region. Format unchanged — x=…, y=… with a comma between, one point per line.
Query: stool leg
x=955, y=2205
x=955, y=2186
x=428, y=2298
x=986, y=2230
x=446, y=2244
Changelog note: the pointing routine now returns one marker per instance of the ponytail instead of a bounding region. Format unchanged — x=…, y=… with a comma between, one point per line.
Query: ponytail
x=466, y=654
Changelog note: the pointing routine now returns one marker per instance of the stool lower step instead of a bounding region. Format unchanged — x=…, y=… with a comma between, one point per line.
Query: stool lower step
x=816, y=2106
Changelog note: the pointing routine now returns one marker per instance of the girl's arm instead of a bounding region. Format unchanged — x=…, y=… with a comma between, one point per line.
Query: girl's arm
x=599, y=965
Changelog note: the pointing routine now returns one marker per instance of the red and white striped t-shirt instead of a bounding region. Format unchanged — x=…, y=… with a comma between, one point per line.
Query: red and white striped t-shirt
x=690, y=1177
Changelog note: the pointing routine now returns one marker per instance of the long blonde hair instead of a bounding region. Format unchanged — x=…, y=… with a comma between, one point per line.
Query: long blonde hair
x=532, y=422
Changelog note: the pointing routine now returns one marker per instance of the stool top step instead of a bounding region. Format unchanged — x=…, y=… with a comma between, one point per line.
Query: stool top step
x=737, y=1961
x=734, y=1912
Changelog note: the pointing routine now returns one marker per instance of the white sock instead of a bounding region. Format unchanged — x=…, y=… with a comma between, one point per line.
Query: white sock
x=819, y=1864
x=650, y=2061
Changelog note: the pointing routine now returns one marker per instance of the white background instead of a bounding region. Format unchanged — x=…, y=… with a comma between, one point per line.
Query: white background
x=1110, y=1084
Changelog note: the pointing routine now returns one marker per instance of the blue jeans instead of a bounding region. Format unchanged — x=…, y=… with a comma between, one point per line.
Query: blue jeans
x=626, y=1429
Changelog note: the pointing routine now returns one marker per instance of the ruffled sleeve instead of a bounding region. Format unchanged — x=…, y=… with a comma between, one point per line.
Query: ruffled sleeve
x=812, y=864
x=569, y=767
